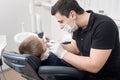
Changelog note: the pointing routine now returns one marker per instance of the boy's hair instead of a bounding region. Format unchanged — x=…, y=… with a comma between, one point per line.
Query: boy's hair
x=31, y=45
x=65, y=6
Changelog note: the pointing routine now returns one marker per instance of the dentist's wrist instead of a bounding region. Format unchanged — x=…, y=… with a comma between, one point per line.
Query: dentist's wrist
x=61, y=56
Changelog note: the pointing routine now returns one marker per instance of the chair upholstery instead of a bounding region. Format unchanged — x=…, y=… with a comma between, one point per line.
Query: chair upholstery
x=29, y=67
x=0, y=61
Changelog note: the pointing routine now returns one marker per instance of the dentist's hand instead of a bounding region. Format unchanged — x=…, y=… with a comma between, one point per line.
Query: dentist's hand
x=57, y=49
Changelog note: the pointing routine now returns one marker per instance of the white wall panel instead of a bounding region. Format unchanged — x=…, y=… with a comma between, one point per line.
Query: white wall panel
x=110, y=7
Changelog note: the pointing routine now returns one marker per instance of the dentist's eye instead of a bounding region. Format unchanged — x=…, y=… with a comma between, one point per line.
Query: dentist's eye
x=60, y=22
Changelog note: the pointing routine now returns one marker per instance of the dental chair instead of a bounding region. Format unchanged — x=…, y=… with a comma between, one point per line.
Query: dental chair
x=0, y=61
x=30, y=68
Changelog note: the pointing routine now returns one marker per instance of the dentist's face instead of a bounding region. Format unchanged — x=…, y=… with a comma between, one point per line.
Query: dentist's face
x=63, y=20
x=43, y=42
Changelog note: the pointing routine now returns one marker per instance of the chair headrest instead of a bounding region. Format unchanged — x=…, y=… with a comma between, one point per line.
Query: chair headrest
x=27, y=65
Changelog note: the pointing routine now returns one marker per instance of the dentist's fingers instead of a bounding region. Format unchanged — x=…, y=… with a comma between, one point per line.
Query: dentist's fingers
x=52, y=41
x=49, y=44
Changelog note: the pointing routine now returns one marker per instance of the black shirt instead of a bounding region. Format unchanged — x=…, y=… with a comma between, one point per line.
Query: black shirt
x=101, y=33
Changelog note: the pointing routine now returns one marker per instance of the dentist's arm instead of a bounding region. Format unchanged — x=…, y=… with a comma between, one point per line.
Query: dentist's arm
x=92, y=63
x=72, y=47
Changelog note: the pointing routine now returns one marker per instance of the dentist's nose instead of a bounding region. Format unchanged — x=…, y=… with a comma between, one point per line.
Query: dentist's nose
x=61, y=26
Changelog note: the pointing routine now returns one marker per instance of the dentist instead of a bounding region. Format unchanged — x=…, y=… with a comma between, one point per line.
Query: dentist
x=95, y=45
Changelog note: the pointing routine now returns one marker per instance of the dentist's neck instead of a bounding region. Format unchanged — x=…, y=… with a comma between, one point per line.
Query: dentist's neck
x=82, y=20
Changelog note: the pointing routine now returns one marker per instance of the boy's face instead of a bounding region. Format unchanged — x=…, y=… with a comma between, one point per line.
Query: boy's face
x=43, y=44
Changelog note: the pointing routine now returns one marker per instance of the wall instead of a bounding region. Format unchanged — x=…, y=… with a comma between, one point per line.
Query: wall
x=13, y=13
x=109, y=7
x=43, y=13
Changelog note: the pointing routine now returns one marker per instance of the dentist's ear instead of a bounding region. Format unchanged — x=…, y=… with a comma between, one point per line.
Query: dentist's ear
x=73, y=14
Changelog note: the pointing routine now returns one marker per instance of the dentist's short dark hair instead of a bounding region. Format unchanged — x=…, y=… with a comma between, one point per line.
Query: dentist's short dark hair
x=65, y=6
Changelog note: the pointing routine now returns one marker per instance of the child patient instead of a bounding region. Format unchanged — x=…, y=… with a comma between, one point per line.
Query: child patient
x=35, y=46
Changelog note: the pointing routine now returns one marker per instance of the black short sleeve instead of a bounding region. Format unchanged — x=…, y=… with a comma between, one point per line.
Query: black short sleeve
x=104, y=36
x=74, y=36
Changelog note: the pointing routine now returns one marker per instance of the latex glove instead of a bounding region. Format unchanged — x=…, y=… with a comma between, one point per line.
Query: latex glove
x=57, y=49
